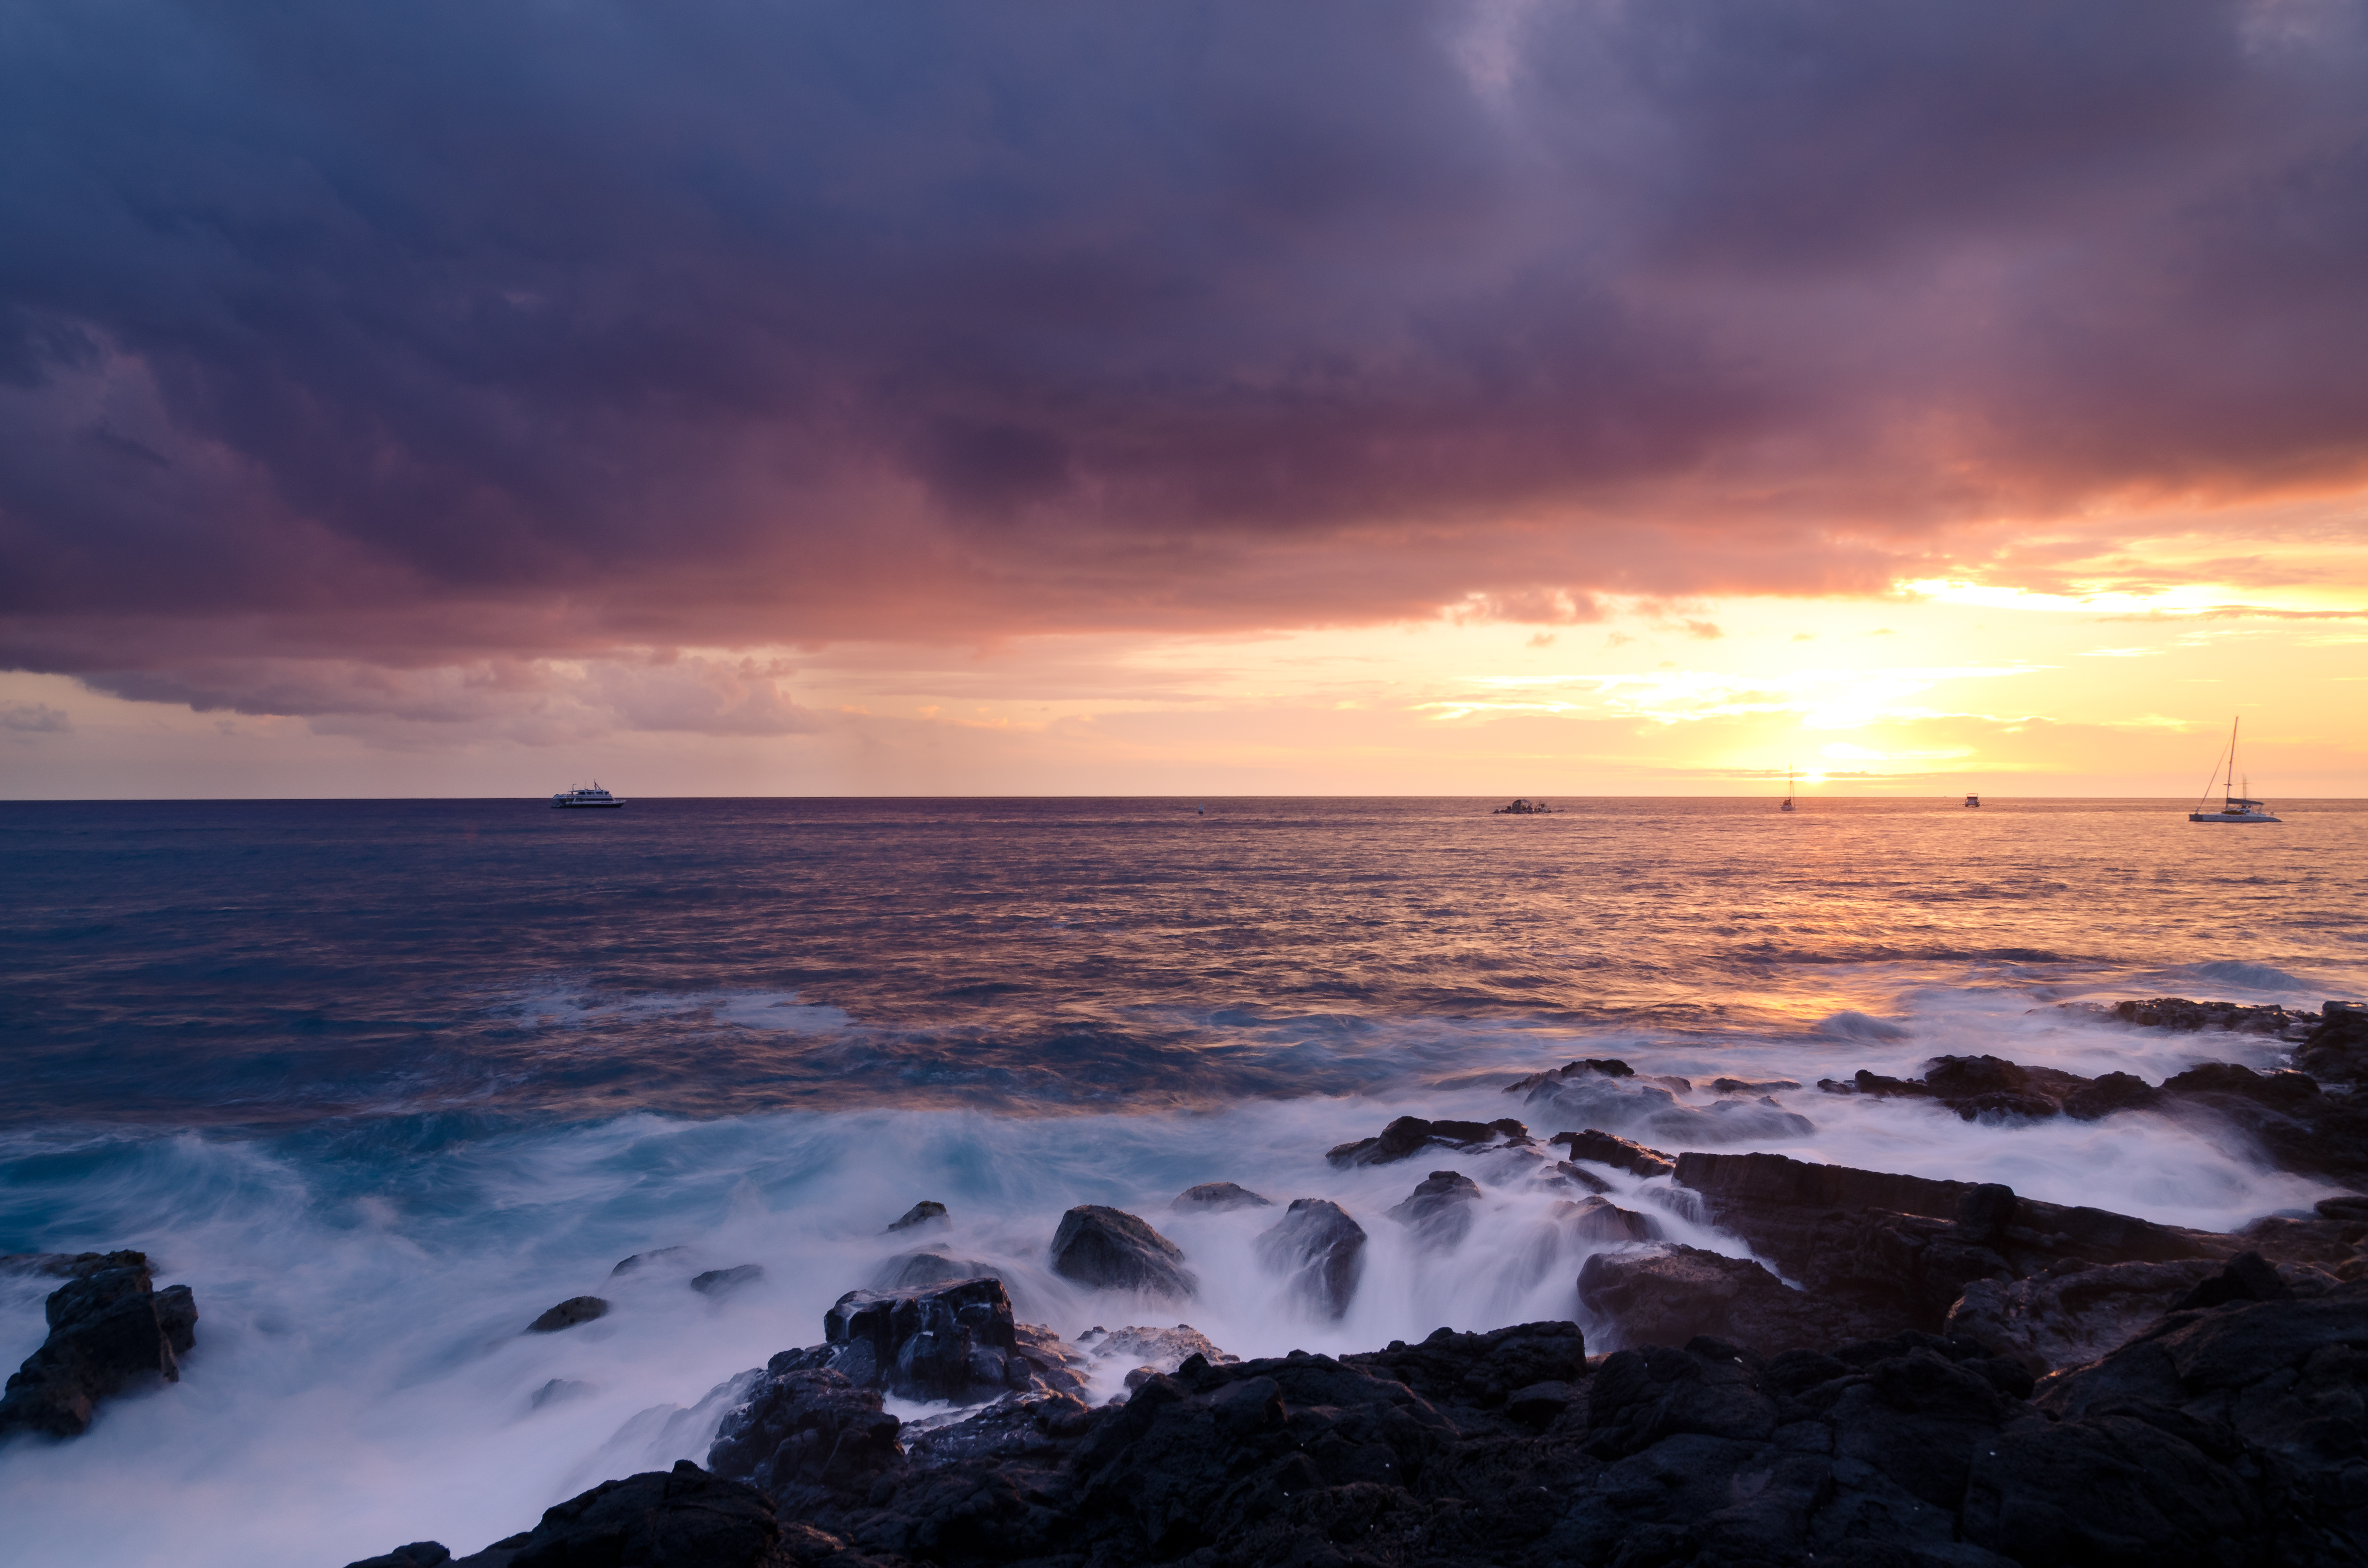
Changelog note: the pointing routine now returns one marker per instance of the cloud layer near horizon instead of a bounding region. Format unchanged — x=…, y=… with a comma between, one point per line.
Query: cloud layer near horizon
x=398, y=337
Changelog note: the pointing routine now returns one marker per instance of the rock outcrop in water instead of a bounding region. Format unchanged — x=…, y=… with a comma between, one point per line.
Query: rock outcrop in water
x=1602, y=1148
x=2300, y=1127
x=111, y=1331
x=2229, y=1436
x=568, y=1313
x=929, y=1211
x=1112, y=1250
x=1319, y=1251
x=1410, y=1135
x=956, y=1342
x=1438, y=1210
x=1218, y=1197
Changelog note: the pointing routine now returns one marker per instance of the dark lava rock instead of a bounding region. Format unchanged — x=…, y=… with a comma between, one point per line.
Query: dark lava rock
x=2282, y=1091
x=568, y=1313
x=419, y=1555
x=1674, y=1293
x=2351, y=1206
x=954, y=1342
x=679, y=1518
x=1900, y=1250
x=723, y=1281
x=110, y=1330
x=1566, y=1174
x=2231, y=1436
x=1409, y=1135
x=1440, y=1210
x=1600, y=1220
x=2336, y=1049
x=1150, y=1352
x=1620, y=1153
x=927, y=1211
x=1751, y=1085
x=2247, y=1278
x=1320, y=1250
x=804, y=1432
x=2101, y=1097
x=2178, y=1013
x=1601, y=1066
x=1219, y=1197
x=1112, y=1250
x=908, y=1270
x=2072, y=1315
x=644, y=1260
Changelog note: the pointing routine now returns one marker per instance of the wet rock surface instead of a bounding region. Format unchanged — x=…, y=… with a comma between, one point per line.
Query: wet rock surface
x=110, y=1332
x=957, y=1342
x=568, y=1313
x=1113, y=1250
x=1438, y=1210
x=1319, y=1250
x=2301, y=1127
x=1411, y=1135
x=927, y=1211
x=1598, y=1147
x=1218, y=1197
x=2230, y=1436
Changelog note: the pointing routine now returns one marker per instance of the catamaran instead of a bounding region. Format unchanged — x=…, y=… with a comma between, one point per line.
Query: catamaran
x=595, y=795
x=2235, y=807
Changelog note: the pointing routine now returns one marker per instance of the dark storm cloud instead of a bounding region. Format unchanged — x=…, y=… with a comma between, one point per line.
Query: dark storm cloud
x=409, y=334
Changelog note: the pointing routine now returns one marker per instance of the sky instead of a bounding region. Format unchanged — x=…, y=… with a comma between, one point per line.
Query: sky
x=1496, y=398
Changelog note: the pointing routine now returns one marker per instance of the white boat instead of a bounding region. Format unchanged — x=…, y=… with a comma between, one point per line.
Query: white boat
x=579, y=799
x=1973, y=802
x=2236, y=808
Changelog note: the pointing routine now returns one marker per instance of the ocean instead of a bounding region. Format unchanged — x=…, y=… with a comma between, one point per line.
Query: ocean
x=383, y=1080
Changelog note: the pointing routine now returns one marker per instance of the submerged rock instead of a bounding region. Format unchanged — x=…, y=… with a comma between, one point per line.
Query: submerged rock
x=723, y=1281
x=568, y=1313
x=909, y=1269
x=1112, y=1250
x=1438, y=1210
x=1319, y=1250
x=1410, y=1135
x=110, y=1332
x=927, y=1212
x=667, y=1255
x=1219, y=1197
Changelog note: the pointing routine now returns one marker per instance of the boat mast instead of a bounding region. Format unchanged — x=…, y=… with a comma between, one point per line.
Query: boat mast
x=2231, y=789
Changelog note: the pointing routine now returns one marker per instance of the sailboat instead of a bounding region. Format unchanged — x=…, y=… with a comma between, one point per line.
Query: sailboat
x=2237, y=807
x=1788, y=791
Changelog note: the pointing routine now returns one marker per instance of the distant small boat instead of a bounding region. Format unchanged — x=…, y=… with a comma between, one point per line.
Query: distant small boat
x=578, y=798
x=1974, y=800
x=1523, y=809
x=1788, y=791
x=2235, y=808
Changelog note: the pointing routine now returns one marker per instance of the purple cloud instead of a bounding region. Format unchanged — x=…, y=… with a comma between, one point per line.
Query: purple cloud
x=399, y=338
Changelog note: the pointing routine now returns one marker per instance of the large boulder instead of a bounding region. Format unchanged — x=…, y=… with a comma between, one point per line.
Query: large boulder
x=1903, y=1248
x=1672, y=1295
x=2071, y=1315
x=1602, y=1148
x=805, y=1431
x=929, y=1211
x=2334, y=1050
x=1320, y=1251
x=683, y=1516
x=1410, y=1135
x=1112, y=1250
x=110, y=1330
x=1438, y=1210
x=568, y=1313
x=956, y=1342
x=1600, y=1220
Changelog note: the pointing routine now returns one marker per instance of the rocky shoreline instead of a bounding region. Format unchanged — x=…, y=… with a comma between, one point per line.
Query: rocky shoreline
x=1904, y=1372
x=1945, y=1373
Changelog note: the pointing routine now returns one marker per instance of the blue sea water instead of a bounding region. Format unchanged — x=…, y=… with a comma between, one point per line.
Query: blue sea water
x=383, y=1080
